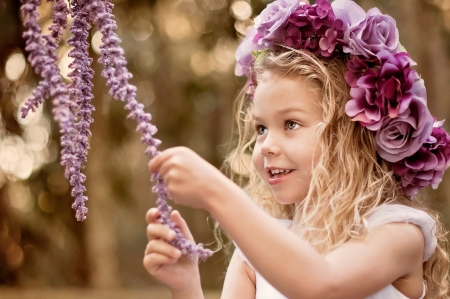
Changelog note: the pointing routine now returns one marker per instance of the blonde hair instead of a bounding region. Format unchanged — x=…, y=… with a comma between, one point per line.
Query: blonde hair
x=347, y=185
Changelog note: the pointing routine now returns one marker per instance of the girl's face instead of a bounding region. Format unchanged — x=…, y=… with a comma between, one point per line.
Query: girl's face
x=285, y=114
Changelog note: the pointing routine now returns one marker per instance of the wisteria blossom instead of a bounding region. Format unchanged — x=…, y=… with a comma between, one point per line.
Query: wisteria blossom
x=72, y=104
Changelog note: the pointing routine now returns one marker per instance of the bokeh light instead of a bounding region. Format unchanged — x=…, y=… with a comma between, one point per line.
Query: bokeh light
x=241, y=26
x=46, y=202
x=15, y=66
x=65, y=62
x=241, y=10
x=215, y=4
x=15, y=157
x=14, y=254
x=145, y=93
x=201, y=63
x=20, y=198
x=177, y=28
x=96, y=41
x=23, y=92
x=144, y=62
x=141, y=29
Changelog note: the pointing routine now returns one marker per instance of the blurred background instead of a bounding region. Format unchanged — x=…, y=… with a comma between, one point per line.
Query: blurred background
x=181, y=53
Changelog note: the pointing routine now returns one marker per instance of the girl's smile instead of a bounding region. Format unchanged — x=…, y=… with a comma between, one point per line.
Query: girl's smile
x=286, y=112
x=277, y=178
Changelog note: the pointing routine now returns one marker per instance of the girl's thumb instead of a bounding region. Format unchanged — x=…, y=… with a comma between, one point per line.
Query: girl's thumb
x=176, y=217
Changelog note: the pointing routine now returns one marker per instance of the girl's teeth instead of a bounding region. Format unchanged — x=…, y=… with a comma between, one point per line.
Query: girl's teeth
x=277, y=172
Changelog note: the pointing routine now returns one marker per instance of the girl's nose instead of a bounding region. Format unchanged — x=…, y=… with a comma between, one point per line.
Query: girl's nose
x=270, y=146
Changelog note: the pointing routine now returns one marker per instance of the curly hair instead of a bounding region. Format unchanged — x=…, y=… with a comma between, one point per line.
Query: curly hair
x=349, y=180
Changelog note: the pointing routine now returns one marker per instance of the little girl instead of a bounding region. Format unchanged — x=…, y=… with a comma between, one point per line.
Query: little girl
x=335, y=141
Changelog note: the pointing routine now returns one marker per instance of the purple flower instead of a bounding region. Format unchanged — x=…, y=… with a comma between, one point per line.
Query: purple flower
x=366, y=34
x=348, y=12
x=427, y=166
x=358, y=67
x=117, y=75
x=76, y=107
x=273, y=17
x=43, y=59
x=314, y=28
x=244, y=57
x=364, y=107
x=381, y=86
x=80, y=91
x=328, y=43
x=403, y=136
x=396, y=80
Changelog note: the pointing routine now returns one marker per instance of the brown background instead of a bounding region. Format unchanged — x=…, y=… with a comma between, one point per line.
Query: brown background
x=181, y=53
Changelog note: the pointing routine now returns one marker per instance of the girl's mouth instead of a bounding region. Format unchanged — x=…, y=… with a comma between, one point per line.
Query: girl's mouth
x=277, y=177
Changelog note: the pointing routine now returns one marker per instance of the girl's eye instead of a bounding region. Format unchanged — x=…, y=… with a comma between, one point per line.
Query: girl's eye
x=292, y=125
x=261, y=130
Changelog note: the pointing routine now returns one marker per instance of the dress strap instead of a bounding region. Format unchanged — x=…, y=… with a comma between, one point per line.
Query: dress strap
x=424, y=290
x=390, y=213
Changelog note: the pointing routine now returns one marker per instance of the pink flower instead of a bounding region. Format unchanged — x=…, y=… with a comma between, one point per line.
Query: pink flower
x=273, y=17
x=244, y=57
x=366, y=34
x=403, y=136
x=427, y=166
x=382, y=86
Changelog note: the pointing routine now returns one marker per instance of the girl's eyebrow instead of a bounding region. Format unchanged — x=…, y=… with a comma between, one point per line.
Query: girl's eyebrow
x=291, y=109
x=283, y=111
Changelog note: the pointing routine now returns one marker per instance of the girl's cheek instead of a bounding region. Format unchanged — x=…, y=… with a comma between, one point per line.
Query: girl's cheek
x=257, y=159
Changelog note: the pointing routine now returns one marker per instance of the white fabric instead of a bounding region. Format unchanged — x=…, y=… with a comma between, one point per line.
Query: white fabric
x=382, y=215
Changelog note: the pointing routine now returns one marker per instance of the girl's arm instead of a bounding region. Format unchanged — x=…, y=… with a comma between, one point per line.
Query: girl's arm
x=357, y=269
x=238, y=281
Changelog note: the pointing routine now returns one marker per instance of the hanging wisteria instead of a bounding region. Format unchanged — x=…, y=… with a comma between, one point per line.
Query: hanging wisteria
x=72, y=107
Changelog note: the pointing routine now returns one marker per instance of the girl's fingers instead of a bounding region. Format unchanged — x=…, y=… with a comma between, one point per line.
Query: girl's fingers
x=160, y=231
x=152, y=215
x=154, y=260
x=176, y=217
x=163, y=248
x=157, y=161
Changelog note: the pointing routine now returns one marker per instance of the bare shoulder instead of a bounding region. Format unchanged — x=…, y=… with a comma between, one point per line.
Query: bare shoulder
x=406, y=246
x=392, y=251
x=402, y=238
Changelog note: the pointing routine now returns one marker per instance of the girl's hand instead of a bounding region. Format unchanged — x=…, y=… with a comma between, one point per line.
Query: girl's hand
x=190, y=180
x=165, y=262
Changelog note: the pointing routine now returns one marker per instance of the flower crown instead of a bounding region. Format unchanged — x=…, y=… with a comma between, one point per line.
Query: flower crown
x=387, y=96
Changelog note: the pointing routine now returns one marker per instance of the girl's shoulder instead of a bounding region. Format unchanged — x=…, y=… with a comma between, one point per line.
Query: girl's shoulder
x=391, y=213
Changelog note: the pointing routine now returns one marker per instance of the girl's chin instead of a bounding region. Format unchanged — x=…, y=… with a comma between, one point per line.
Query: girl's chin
x=287, y=200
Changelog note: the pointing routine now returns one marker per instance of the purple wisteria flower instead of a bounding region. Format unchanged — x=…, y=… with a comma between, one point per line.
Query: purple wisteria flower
x=43, y=59
x=80, y=91
x=73, y=112
x=426, y=167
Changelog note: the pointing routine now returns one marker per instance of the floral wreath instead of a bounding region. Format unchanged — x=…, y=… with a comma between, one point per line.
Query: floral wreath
x=388, y=97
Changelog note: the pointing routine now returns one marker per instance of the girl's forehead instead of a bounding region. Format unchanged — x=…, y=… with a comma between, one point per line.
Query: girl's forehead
x=279, y=96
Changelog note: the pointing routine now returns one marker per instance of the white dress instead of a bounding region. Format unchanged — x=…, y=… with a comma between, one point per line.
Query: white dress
x=381, y=215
